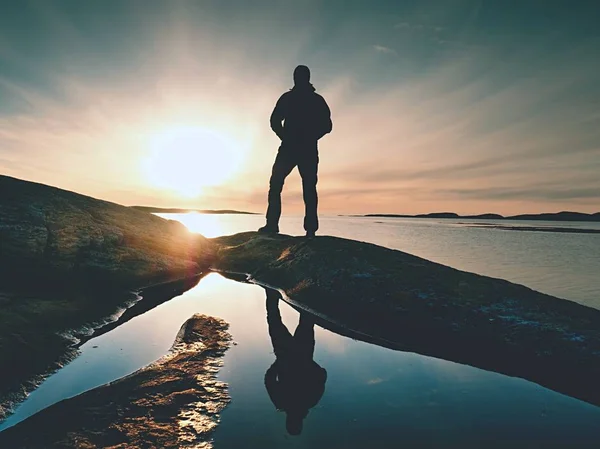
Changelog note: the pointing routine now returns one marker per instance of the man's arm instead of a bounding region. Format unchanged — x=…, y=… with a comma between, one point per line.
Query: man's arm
x=277, y=116
x=273, y=388
x=324, y=115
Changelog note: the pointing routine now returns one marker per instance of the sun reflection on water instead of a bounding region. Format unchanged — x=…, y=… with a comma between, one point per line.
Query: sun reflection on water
x=206, y=224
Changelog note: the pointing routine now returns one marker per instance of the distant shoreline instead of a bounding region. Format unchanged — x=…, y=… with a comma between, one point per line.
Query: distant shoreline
x=535, y=229
x=173, y=210
x=559, y=216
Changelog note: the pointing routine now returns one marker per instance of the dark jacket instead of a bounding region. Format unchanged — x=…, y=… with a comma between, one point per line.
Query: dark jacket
x=297, y=387
x=305, y=114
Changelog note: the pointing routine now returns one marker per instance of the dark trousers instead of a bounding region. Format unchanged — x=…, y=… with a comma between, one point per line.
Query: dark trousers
x=306, y=158
x=297, y=349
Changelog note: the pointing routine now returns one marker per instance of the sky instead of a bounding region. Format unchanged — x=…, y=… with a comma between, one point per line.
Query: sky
x=469, y=106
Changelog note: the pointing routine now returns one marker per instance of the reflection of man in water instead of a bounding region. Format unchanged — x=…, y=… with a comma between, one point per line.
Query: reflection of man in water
x=295, y=383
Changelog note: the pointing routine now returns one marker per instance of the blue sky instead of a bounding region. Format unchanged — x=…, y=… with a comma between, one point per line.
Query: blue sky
x=466, y=105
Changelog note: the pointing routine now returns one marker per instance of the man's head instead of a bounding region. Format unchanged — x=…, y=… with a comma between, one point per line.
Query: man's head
x=301, y=75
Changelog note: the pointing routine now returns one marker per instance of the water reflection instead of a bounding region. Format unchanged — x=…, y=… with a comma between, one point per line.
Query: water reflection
x=376, y=397
x=295, y=382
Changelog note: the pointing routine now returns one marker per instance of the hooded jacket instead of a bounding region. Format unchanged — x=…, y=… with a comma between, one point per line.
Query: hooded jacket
x=305, y=114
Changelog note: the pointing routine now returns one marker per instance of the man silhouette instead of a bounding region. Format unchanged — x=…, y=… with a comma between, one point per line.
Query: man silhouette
x=295, y=382
x=306, y=119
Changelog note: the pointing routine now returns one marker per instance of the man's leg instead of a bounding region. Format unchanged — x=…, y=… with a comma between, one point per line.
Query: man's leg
x=308, y=166
x=305, y=336
x=280, y=335
x=284, y=164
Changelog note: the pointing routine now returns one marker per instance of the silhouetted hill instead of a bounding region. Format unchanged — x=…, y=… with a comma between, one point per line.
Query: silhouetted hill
x=438, y=215
x=173, y=210
x=558, y=216
x=485, y=217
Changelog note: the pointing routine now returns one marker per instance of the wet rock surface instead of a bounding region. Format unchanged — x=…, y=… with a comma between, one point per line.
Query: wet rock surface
x=69, y=263
x=408, y=303
x=34, y=352
x=173, y=403
x=38, y=335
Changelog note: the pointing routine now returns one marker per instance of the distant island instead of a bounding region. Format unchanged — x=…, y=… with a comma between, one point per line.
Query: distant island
x=558, y=216
x=171, y=210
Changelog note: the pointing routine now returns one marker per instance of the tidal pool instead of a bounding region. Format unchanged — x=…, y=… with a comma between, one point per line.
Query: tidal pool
x=367, y=396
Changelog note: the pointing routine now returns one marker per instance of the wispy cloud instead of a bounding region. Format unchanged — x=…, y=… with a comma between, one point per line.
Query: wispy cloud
x=501, y=124
x=385, y=50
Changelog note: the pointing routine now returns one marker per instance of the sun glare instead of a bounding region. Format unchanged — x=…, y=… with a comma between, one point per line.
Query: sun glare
x=206, y=224
x=186, y=159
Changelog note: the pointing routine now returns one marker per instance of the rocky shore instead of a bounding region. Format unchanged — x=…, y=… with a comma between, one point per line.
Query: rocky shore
x=51, y=237
x=69, y=263
x=404, y=302
x=173, y=403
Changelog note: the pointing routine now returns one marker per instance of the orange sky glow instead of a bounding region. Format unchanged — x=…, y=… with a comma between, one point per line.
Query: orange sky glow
x=187, y=124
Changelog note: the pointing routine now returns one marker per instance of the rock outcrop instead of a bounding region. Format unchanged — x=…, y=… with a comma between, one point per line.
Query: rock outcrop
x=55, y=236
x=404, y=302
x=68, y=263
x=173, y=403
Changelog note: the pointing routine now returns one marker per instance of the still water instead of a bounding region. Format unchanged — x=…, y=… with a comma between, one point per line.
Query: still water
x=560, y=264
x=373, y=397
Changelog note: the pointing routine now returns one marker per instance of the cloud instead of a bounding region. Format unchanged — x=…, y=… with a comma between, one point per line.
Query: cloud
x=375, y=381
x=384, y=50
x=419, y=27
x=402, y=25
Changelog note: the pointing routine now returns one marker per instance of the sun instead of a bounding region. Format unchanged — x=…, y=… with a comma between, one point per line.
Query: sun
x=187, y=159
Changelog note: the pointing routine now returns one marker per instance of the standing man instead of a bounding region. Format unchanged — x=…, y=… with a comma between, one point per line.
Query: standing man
x=306, y=118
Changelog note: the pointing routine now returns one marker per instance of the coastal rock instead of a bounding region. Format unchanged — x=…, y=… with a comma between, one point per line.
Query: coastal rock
x=173, y=403
x=69, y=263
x=55, y=236
x=404, y=302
